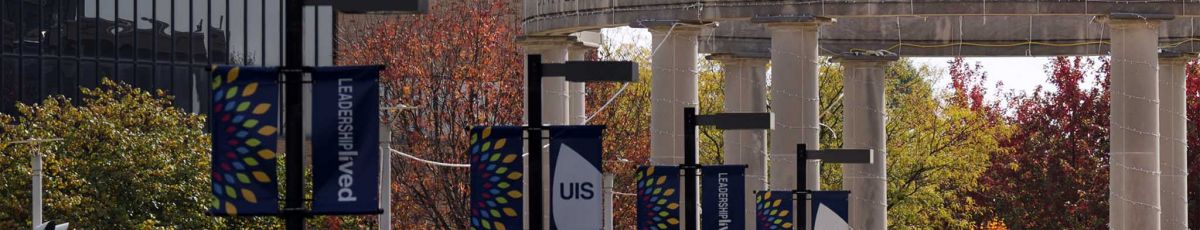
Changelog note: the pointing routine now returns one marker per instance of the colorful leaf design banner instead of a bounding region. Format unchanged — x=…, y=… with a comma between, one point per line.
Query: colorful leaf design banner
x=723, y=193
x=829, y=209
x=496, y=178
x=244, y=134
x=345, y=132
x=774, y=210
x=657, y=197
x=575, y=196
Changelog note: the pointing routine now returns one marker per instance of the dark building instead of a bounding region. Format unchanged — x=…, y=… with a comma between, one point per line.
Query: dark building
x=55, y=47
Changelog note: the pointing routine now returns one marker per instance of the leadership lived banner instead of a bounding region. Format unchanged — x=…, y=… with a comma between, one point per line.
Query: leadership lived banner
x=345, y=140
x=657, y=197
x=575, y=192
x=244, y=134
x=496, y=177
x=722, y=188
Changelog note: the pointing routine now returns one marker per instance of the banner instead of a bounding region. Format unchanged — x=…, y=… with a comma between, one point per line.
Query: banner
x=658, y=197
x=722, y=189
x=829, y=210
x=245, y=126
x=496, y=177
x=575, y=187
x=774, y=210
x=345, y=140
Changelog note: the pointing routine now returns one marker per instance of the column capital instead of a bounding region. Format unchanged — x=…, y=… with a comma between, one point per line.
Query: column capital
x=671, y=24
x=1174, y=57
x=792, y=21
x=727, y=58
x=1130, y=19
x=545, y=40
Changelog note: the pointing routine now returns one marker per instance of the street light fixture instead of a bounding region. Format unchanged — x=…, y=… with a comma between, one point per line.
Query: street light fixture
x=691, y=165
x=37, y=176
x=572, y=71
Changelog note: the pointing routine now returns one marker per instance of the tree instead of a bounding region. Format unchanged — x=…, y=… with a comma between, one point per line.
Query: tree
x=1056, y=174
x=937, y=144
x=1193, y=135
x=129, y=159
x=459, y=66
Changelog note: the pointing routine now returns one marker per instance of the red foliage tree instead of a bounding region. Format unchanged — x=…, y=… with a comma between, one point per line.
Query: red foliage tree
x=1055, y=174
x=459, y=66
x=1193, y=139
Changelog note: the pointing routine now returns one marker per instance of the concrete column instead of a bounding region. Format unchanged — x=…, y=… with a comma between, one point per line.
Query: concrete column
x=1134, y=121
x=746, y=92
x=1172, y=77
x=794, y=95
x=554, y=100
x=577, y=112
x=674, y=86
x=864, y=114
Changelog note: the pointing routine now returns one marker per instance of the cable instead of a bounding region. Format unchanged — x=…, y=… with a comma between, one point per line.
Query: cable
x=429, y=161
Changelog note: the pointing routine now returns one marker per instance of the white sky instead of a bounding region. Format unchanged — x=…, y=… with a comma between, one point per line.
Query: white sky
x=1021, y=74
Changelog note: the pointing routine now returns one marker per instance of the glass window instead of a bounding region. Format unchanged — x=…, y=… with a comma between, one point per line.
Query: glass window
x=10, y=84
x=181, y=80
x=69, y=75
x=30, y=78
x=51, y=82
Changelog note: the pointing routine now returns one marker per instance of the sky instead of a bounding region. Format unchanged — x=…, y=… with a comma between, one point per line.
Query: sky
x=1022, y=74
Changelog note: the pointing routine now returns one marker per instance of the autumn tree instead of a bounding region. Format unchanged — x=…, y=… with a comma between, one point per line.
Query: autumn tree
x=937, y=142
x=1056, y=174
x=459, y=66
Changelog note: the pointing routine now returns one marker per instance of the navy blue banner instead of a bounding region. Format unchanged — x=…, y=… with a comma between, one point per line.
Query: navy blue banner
x=774, y=210
x=576, y=201
x=496, y=177
x=345, y=140
x=657, y=197
x=722, y=189
x=829, y=209
x=245, y=126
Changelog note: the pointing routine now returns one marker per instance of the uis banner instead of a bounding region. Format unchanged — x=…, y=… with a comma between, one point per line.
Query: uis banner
x=496, y=177
x=829, y=209
x=774, y=210
x=576, y=201
x=722, y=189
x=244, y=134
x=345, y=140
x=657, y=197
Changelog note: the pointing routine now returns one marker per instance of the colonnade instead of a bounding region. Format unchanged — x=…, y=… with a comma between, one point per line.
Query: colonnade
x=1142, y=128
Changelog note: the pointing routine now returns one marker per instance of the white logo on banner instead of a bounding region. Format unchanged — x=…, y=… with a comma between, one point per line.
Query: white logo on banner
x=576, y=192
x=827, y=219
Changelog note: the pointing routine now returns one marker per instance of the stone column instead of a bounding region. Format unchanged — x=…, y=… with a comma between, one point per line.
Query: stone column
x=1134, y=171
x=673, y=67
x=746, y=92
x=554, y=101
x=577, y=112
x=864, y=115
x=1172, y=77
x=794, y=95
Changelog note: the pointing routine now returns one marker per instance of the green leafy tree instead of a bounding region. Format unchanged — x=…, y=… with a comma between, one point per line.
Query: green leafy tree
x=129, y=159
x=938, y=145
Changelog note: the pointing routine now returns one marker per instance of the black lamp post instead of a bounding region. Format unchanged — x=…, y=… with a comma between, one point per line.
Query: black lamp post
x=573, y=71
x=846, y=156
x=691, y=157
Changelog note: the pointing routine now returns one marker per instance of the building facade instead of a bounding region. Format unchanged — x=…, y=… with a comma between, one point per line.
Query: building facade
x=56, y=47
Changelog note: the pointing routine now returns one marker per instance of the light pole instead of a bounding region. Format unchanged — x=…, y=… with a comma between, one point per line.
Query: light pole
x=851, y=156
x=385, y=177
x=573, y=71
x=37, y=177
x=691, y=157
